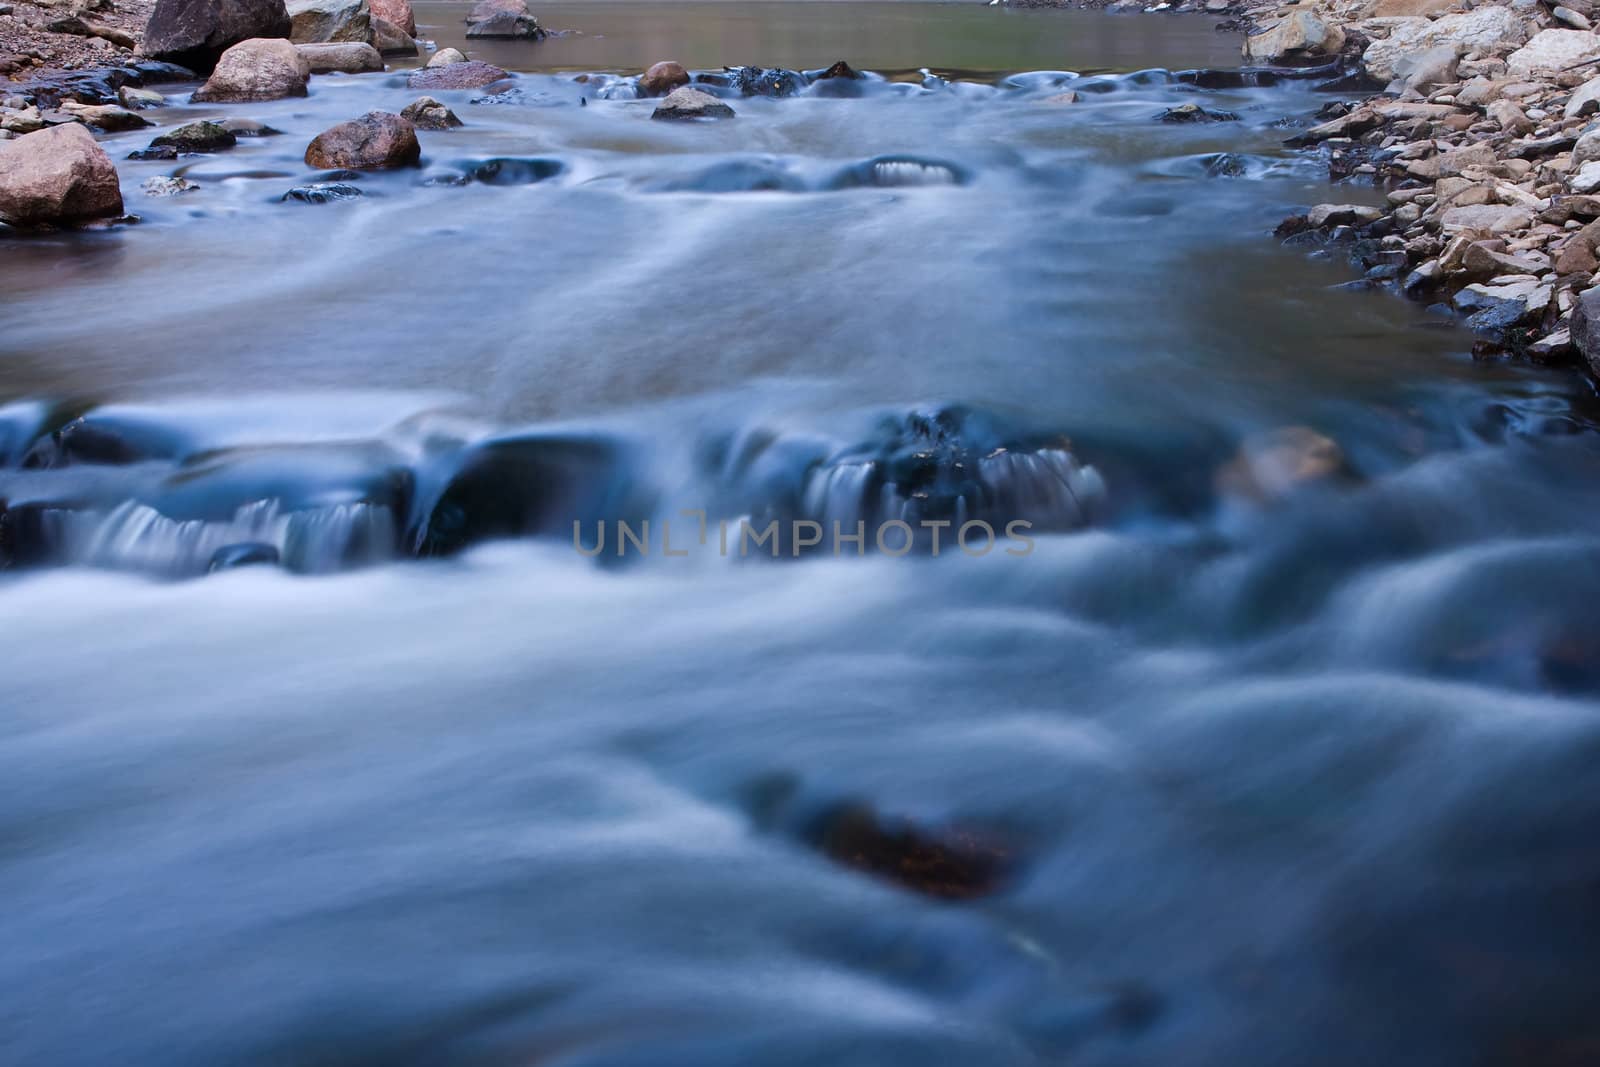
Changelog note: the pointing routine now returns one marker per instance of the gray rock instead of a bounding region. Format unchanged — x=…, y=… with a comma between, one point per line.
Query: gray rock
x=322, y=193
x=1584, y=327
x=163, y=186
x=1483, y=29
x=426, y=113
x=195, y=33
x=1325, y=215
x=249, y=128
x=1571, y=18
x=1496, y=218
x=1587, y=148
x=445, y=57
x=57, y=176
x=687, y=103
x=474, y=74
x=391, y=40
x=507, y=26
x=345, y=58
x=259, y=69
x=1553, y=50
x=1422, y=71
x=337, y=21
x=112, y=118
x=1300, y=34
x=1585, y=100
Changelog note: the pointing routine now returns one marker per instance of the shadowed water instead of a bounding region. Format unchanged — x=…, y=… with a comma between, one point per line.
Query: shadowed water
x=1299, y=777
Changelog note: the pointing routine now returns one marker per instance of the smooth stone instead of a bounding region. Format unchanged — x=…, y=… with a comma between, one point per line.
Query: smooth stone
x=377, y=140
x=1324, y=216
x=507, y=26
x=140, y=99
x=58, y=175
x=391, y=40
x=687, y=103
x=427, y=113
x=1585, y=100
x=197, y=137
x=445, y=57
x=397, y=13
x=329, y=21
x=196, y=33
x=161, y=186
x=1571, y=18
x=1301, y=34
x=1482, y=29
x=256, y=70
x=165, y=152
x=113, y=118
x=473, y=74
x=249, y=128
x=344, y=58
x=662, y=78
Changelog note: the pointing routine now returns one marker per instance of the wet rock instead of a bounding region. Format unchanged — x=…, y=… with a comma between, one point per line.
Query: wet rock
x=1483, y=29
x=426, y=113
x=1299, y=36
x=164, y=187
x=245, y=554
x=1553, y=50
x=507, y=26
x=55, y=177
x=195, y=33
x=899, y=172
x=761, y=81
x=344, y=58
x=202, y=136
x=735, y=176
x=140, y=99
x=1194, y=113
x=338, y=21
x=662, y=78
x=516, y=171
x=840, y=69
x=1584, y=327
x=1060, y=99
x=687, y=103
x=947, y=863
x=165, y=152
x=1272, y=464
x=474, y=74
x=112, y=118
x=249, y=128
x=322, y=193
x=391, y=40
x=1325, y=216
x=488, y=9
x=376, y=141
x=396, y=12
x=23, y=121
x=256, y=70
x=445, y=57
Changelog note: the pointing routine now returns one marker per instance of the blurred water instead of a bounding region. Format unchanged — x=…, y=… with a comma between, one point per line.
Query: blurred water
x=1307, y=780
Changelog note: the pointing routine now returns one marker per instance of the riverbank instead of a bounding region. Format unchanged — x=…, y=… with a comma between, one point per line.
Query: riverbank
x=40, y=39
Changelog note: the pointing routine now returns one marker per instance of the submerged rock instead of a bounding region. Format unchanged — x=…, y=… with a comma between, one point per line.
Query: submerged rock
x=347, y=58
x=164, y=152
x=57, y=176
x=322, y=193
x=202, y=136
x=247, y=554
x=687, y=103
x=1272, y=464
x=840, y=69
x=947, y=863
x=377, y=140
x=473, y=74
x=1193, y=113
x=893, y=172
x=761, y=81
x=662, y=78
x=426, y=113
x=163, y=187
x=319, y=21
x=256, y=70
x=195, y=33
x=516, y=171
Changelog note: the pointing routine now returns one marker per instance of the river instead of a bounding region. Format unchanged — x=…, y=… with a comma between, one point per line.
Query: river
x=1293, y=773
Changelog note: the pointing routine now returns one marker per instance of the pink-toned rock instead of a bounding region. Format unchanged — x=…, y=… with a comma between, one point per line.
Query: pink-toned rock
x=257, y=69
x=396, y=11
x=57, y=176
x=377, y=140
x=474, y=74
x=662, y=78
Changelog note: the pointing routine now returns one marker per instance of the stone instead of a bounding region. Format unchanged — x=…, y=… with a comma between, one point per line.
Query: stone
x=474, y=74
x=426, y=113
x=1571, y=18
x=1584, y=327
x=322, y=193
x=1411, y=8
x=1587, y=180
x=344, y=58
x=765, y=81
x=396, y=13
x=662, y=78
x=255, y=70
x=249, y=128
x=1495, y=218
x=163, y=186
x=687, y=103
x=1579, y=253
x=112, y=118
x=1301, y=35
x=445, y=57
x=1585, y=100
x=1482, y=29
x=1553, y=50
x=488, y=9
x=1457, y=160
x=1431, y=67
x=195, y=33
x=166, y=152
x=506, y=26
x=1324, y=216
x=377, y=140
x=57, y=176
x=1587, y=147
x=840, y=69
x=1509, y=117
x=1195, y=113
x=1275, y=463
x=140, y=99
x=391, y=40
x=336, y=21
x=197, y=137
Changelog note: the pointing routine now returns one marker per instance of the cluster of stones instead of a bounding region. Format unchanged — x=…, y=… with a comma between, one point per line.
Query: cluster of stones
x=1487, y=144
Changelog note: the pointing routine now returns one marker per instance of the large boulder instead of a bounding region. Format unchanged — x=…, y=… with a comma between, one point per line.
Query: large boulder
x=474, y=74
x=258, y=69
x=391, y=40
x=195, y=33
x=57, y=176
x=1482, y=29
x=687, y=103
x=1585, y=327
x=377, y=140
x=1300, y=36
x=197, y=137
x=488, y=9
x=662, y=78
x=507, y=26
x=1553, y=50
x=340, y=58
x=397, y=12
x=320, y=21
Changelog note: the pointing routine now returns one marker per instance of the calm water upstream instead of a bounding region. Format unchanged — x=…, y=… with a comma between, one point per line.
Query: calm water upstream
x=1305, y=777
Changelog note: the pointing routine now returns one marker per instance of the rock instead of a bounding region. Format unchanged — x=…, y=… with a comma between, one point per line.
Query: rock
x=1587, y=147
x=765, y=81
x=687, y=103
x=340, y=58
x=1273, y=464
x=163, y=153
x=396, y=13
x=1482, y=29
x=337, y=21
x=507, y=26
x=243, y=554
x=249, y=128
x=427, y=113
x=195, y=33
x=1324, y=216
x=140, y=99
x=470, y=75
x=197, y=137
x=256, y=70
x=375, y=141
x=1579, y=253
x=26, y=120
x=662, y=78
x=445, y=57
x=840, y=69
x=1422, y=71
x=391, y=40
x=1553, y=50
x=1060, y=99
x=57, y=176
x=322, y=193
x=1195, y=113
x=1411, y=8
x=1571, y=18
x=163, y=186
x=1495, y=218
x=488, y=9
x=1584, y=327
x=945, y=863
x=1457, y=160
x=109, y=117
x=1509, y=117
x=1301, y=35
x=1585, y=100
x=1587, y=180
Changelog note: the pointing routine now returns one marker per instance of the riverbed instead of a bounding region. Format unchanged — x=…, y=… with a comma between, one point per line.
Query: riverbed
x=1283, y=773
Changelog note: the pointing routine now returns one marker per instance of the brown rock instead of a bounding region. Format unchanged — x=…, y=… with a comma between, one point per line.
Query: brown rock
x=426, y=113
x=397, y=12
x=57, y=176
x=195, y=33
x=474, y=74
x=1579, y=252
x=391, y=40
x=1274, y=463
x=340, y=58
x=258, y=69
x=377, y=140
x=662, y=78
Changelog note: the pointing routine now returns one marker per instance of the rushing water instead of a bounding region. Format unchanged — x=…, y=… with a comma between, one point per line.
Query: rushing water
x=1282, y=777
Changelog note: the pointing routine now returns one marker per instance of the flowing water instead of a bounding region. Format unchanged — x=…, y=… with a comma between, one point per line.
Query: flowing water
x=1281, y=774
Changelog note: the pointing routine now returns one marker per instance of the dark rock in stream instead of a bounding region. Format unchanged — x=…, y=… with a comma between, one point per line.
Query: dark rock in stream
x=426, y=113
x=1194, y=113
x=249, y=128
x=322, y=193
x=195, y=33
x=947, y=863
x=762, y=81
x=507, y=25
x=247, y=554
x=166, y=152
x=197, y=137
x=516, y=171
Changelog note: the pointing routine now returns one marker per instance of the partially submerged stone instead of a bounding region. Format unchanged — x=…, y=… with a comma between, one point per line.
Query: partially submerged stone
x=426, y=113
x=377, y=140
x=256, y=70
x=343, y=58
x=686, y=103
x=473, y=74
x=162, y=186
x=662, y=78
x=204, y=136
x=58, y=176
